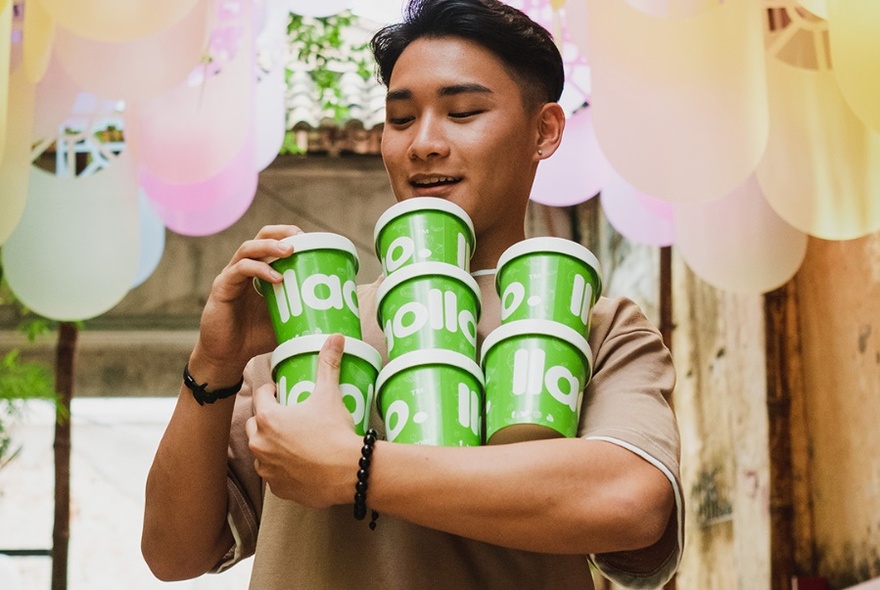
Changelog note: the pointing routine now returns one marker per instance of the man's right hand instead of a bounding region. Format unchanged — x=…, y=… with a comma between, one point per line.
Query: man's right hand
x=235, y=323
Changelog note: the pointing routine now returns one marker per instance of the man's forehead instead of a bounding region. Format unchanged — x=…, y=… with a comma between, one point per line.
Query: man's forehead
x=449, y=66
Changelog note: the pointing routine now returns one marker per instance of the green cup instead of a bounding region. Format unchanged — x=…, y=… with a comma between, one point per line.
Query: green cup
x=295, y=370
x=550, y=279
x=432, y=397
x=536, y=371
x=429, y=305
x=319, y=291
x=424, y=229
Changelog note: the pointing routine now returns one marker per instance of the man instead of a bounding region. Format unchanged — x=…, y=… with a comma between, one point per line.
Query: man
x=471, y=110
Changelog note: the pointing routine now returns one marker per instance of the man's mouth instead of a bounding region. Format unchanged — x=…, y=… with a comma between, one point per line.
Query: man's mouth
x=434, y=181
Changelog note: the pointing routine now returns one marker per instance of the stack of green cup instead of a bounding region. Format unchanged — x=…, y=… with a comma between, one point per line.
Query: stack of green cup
x=431, y=390
x=538, y=361
x=317, y=298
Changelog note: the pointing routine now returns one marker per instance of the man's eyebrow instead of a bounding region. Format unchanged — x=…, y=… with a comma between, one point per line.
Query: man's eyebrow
x=393, y=95
x=406, y=94
x=463, y=89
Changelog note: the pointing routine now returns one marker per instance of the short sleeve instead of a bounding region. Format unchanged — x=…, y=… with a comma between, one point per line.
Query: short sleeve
x=626, y=404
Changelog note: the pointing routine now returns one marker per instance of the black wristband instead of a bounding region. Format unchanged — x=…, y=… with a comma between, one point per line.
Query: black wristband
x=363, y=474
x=208, y=397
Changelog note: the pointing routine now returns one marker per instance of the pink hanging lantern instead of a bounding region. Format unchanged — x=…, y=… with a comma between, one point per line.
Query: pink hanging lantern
x=577, y=170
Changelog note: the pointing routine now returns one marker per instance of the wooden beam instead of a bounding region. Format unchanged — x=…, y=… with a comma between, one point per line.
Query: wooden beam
x=792, y=540
x=776, y=318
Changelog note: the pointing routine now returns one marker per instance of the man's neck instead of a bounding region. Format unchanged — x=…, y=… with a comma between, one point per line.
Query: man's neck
x=490, y=246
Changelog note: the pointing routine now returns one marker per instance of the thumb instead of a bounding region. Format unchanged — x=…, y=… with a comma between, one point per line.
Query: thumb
x=329, y=361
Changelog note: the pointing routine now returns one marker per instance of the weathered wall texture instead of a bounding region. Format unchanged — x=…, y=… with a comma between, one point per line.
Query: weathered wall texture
x=838, y=290
x=719, y=401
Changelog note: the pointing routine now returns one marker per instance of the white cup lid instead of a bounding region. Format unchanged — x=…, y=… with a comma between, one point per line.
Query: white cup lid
x=551, y=244
x=429, y=357
x=540, y=328
x=320, y=241
x=420, y=269
x=314, y=342
x=421, y=204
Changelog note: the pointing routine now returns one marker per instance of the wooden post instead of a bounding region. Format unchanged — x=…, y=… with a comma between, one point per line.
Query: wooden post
x=65, y=356
x=778, y=317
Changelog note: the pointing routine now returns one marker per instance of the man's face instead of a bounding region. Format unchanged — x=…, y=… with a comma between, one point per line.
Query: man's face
x=456, y=128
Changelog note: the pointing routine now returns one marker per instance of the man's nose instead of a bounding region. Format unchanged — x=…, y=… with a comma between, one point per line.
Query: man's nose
x=429, y=140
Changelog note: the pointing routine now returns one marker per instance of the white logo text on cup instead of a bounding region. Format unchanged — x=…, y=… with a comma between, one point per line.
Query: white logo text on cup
x=400, y=410
x=468, y=408
x=581, y=298
x=398, y=413
x=318, y=291
x=531, y=376
x=403, y=248
x=441, y=312
x=579, y=306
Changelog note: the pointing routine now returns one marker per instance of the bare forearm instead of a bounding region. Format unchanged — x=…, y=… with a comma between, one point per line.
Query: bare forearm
x=560, y=496
x=185, y=530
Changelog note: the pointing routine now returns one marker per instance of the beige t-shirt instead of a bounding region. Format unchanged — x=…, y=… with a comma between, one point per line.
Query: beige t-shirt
x=298, y=547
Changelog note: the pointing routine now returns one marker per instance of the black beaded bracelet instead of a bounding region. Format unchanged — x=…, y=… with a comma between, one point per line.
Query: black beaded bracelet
x=363, y=474
x=207, y=397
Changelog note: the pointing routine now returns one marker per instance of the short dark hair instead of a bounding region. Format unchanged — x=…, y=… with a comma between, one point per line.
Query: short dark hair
x=525, y=48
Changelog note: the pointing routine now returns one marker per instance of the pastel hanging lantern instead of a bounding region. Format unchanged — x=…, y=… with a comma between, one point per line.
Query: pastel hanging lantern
x=317, y=9
x=737, y=243
x=854, y=35
x=209, y=206
x=152, y=243
x=577, y=171
x=821, y=169
x=74, y=254
x=271, y=88
x=112, y=20
x=638, y=217
x=15, y=163
x=136, y=69
x=38, y=35
x=192, y=132
x=55, y=96
x=680, y=106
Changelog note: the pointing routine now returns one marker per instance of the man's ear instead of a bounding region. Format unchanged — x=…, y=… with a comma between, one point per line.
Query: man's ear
x=551, y=123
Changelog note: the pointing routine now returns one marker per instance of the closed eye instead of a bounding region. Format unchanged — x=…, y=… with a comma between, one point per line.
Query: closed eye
x=465, y=114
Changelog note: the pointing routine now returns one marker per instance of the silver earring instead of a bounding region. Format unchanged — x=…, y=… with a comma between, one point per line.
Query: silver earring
x=540, y=152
